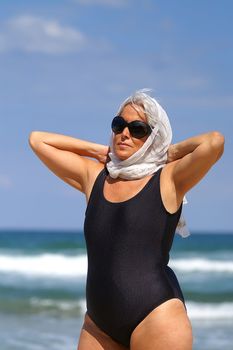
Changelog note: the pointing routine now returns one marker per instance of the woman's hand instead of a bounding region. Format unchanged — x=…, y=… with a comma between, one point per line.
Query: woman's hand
x=102, y=155
x=172, y=153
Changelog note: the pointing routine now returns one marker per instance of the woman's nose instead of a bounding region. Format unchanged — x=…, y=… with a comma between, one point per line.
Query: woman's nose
x=125, y=132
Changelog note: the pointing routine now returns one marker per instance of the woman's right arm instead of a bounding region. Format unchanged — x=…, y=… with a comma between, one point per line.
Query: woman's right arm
x=66, y=156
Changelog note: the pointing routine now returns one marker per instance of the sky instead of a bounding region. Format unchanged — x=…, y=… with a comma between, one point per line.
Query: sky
x=65, y=67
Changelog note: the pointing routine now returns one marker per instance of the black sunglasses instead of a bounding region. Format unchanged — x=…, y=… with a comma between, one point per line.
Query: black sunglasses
x=137, y=128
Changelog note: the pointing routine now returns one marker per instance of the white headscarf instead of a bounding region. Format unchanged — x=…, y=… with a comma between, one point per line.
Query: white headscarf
x=153, y=153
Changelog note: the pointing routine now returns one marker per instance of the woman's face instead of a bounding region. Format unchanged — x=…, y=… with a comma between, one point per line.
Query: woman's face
x=124, y=145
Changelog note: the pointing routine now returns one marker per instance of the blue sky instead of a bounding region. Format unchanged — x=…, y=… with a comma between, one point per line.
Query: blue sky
x=65, y=66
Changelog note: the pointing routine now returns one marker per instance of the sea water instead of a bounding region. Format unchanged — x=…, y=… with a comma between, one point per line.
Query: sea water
x=42, y=288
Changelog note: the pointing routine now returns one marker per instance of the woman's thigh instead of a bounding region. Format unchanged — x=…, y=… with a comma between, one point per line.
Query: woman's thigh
x=166, y=327
x=93, y=338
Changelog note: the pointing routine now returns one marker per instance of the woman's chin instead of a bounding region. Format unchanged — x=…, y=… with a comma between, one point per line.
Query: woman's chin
x=122, y=155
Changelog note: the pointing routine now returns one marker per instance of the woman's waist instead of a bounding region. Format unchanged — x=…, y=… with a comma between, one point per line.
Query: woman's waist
x=121, y=276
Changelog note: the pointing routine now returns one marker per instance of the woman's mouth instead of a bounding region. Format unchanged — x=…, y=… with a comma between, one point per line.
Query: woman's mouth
x=123, y=145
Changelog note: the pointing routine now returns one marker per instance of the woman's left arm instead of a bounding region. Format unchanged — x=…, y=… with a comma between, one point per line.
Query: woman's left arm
x=194, y=158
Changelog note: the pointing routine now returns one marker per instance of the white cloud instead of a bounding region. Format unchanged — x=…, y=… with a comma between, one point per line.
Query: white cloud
x=5, y=182
x=116, y=3
x=33, y=34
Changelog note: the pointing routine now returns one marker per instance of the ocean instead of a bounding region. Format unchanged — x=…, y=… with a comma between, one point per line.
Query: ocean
x=42, y=288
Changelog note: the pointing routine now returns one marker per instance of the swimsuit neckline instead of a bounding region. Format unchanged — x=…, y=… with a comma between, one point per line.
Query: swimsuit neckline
x=138, y=194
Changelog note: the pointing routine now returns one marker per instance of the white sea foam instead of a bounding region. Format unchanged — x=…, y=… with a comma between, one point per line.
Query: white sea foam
x=210, y=311
x=52, y=265
x=202, y=265
x=196, y=310
x=57, y=265
x=62, y=305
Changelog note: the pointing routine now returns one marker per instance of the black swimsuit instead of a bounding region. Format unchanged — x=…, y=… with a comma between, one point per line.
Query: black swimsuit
x=128, y=246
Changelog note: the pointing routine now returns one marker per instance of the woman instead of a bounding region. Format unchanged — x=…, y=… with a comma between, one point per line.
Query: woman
x=134, y=193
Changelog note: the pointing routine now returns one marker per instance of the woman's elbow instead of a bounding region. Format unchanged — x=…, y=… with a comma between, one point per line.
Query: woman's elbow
x=217, y=143
x=33, y=138
x=218, y=138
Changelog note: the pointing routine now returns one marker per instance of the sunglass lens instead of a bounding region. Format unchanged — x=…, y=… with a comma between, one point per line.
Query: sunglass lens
x=138, y=130
x=118, y=125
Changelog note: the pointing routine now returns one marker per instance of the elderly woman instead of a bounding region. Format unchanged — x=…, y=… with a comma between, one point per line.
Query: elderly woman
x=134, y=193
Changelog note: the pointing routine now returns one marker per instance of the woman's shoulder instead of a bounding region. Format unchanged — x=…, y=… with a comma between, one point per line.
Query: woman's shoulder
x=93, y=170
x=170, y=196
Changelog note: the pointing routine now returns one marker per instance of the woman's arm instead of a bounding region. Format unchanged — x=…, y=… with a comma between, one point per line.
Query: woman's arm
x=193, y=158
x=68, y=143
x=66, y=156
x=179, y=150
